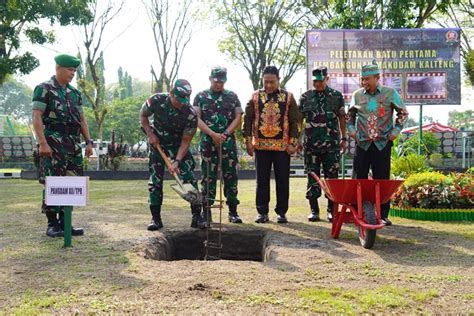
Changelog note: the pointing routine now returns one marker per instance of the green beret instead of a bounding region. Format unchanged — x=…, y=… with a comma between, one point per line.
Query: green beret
x=65, y=60
x=371, y=69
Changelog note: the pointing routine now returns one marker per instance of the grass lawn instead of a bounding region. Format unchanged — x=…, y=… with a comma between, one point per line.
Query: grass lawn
x=414, y=267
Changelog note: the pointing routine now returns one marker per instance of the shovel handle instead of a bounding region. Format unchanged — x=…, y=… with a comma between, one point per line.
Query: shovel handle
x=168, y=163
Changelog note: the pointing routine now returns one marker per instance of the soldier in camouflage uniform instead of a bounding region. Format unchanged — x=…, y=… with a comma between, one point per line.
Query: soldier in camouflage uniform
x=174, y=125
x=322, y=108
x=58, y=121
x=219, y=114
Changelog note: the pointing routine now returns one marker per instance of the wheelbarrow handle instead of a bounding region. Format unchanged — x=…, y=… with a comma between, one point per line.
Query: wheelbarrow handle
x=318, y=179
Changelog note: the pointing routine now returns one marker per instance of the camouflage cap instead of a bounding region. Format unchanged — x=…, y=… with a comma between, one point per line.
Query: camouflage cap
x=182, y=91
x=219, y=74
x=320, y=73
x=371, y=69
x=65, y=60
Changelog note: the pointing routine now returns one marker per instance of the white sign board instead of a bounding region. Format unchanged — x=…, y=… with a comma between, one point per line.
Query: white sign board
x=66, y=191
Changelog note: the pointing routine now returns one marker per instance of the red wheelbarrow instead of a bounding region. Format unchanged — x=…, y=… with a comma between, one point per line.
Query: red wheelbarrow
x=358, y=201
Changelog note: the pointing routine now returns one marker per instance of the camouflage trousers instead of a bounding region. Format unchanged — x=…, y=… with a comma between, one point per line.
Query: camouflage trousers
x=209, y=168
x=157, y=166
x=330, y=162
x=66, y=160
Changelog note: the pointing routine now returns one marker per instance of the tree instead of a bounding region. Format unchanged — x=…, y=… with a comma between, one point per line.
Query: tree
x=460, y=14
x=469, y=65
x=123, y=119
x=15, y=100
x=171, y=23
x=19, y=22
x=427, y=119
x=410, y=122
x=374, y=14
x=124, y=89
x=261, y=33
x=429, y=145
x=94, y=90
x=461, y=119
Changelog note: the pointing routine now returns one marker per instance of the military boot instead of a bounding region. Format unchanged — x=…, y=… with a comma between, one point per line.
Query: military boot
x=233, y=216
x=206, y=214
x=155, y=222
x=330, y=210
x=53, y=229
x=314, y=215
x=196, y=221
x=74, y=231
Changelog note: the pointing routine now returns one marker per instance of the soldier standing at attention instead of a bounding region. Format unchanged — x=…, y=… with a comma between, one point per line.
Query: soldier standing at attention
x=174, y=125
x=322, y=109
x=219, y=114
x=59, y=121
x=271, y=131
x=370, y=123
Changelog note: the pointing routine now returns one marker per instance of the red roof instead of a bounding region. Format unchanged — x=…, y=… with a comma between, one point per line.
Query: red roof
x=432, y=127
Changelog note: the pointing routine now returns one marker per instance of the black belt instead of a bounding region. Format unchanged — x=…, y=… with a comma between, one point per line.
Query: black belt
x=65, y=129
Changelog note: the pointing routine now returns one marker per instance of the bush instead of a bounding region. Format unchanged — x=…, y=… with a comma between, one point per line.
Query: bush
x=244, y=163
x=429, y=143
x=435, y=190
x=464, y=183
x=405, y=166
x=436, y=160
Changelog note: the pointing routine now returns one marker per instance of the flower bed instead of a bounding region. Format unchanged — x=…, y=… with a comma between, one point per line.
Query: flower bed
x=436, y=197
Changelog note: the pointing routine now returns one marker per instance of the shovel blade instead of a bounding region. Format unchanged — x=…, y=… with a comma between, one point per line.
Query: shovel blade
x=188, y=192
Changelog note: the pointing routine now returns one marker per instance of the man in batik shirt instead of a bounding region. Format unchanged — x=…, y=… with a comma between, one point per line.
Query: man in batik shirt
x=370, y=123
x=270, y=131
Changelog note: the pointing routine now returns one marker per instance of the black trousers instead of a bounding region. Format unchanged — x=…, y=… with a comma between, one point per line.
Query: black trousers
x=264, y=159
x=379, y=162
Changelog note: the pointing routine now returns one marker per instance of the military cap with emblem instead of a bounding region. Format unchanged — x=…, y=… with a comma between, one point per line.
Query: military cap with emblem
x=182, y=91
x=320, y=73
x=219, y=73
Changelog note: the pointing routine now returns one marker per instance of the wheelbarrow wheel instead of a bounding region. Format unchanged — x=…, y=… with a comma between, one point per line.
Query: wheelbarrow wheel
x=367, y=236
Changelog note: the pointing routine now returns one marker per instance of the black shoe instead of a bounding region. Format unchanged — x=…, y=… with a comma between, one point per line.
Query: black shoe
x=329, y=216
x=313, y=217
x=205, y=219
x=386, y=222
x=262, y=218
x=54, y=231
x=234, y=218
x=281, y=219
x=155, y=224
x=75, y=231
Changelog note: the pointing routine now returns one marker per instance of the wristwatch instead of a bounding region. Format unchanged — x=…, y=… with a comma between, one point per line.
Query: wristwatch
x=344, y=139
x=177, y=160
x=89, y=141
x=226, y=133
